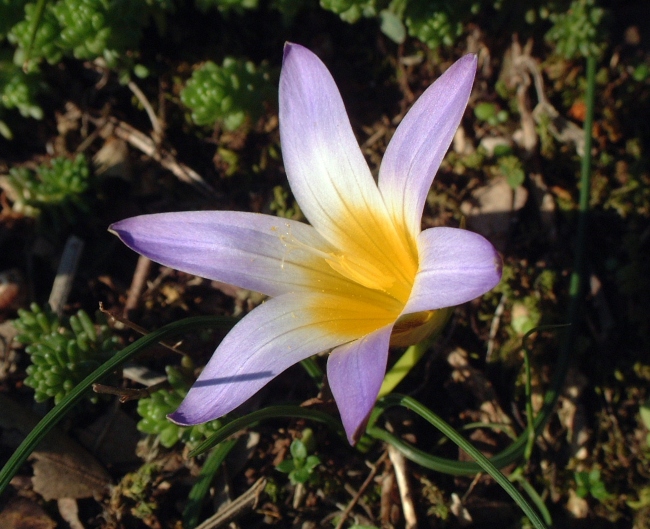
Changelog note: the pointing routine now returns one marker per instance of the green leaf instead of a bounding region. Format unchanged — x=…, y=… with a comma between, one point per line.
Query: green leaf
x=298, y=450
x=392, y=26
x=300, y=475
x=644, y=412
x=286, y=466
x=484, y=111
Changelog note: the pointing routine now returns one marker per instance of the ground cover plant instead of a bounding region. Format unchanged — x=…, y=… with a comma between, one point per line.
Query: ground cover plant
x=111, y=110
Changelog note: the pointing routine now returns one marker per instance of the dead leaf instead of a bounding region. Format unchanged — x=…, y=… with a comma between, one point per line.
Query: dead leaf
x=69, y=511
x=22, y=513
x=577, y=506
x=62, y=467
x=114, y=438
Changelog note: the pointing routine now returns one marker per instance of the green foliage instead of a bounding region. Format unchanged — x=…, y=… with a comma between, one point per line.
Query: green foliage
x=577, y=31
x=510, y=167
x=84, y=29
x=281, y=207
x=301, y=466
x=57, y=188
x=590, y=483
x=62, y=353
x=226, y=5
x=435, y=23
x=154, y=411
x=644, y=414
x=438, y=23
x=18, y=90
x=229, y=94
x=12, y=11
x=351, y=10
x=490, y=113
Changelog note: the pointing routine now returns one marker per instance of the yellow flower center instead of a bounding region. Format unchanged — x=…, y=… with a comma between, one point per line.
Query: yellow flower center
x=366, y=277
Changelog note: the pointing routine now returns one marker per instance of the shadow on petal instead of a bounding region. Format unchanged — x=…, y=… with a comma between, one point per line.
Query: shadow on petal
x=235, y=378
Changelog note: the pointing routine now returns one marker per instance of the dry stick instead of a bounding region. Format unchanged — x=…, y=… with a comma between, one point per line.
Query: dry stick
x=494, y=327
x=65, y=273
x=144, y=143
x=137, y=284
x=155, y=123
x=362, y=489
x=127, y=394
x=385, y=505
x=136, y=328
x=353, y=492
x=399, y=464
x=245, y=503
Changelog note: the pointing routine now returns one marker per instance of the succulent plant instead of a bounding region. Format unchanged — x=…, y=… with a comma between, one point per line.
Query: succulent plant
x=154, y=411
x=62, y=353
x=228, y=94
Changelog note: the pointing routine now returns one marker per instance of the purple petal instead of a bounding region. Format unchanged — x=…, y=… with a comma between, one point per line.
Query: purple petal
x=257, y=252
x=455, y=266
x=421, y=141
x=325, y=167
x=273, y=337
x=355, y=372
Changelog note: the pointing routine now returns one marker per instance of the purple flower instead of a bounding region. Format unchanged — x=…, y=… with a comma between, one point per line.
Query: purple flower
x=362, y=276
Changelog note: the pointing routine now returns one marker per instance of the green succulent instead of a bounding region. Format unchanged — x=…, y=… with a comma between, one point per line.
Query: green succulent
x=226, y=5
x=351, y=10
x=228, y=94
x=62, y=353
x=12, y=12
x=84, y=29
x=577, y=31
x=58, y=188
x=435, y=23
x=154, y=411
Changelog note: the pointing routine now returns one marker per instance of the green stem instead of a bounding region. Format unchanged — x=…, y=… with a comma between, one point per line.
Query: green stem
x=270, y=412
x=578, y=275
x=536, y=499
x=483, y=462
x=314, y=371
x=36, y=22
x=209, y=470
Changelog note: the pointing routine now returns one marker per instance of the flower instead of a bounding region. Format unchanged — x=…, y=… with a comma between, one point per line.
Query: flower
x=363, y=271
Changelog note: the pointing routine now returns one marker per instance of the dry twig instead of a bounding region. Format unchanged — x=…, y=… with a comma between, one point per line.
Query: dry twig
x=144, y=143
x=406, y=496
x=65, y=274
x=137, y=284
x=362, y=489
x=245, y=503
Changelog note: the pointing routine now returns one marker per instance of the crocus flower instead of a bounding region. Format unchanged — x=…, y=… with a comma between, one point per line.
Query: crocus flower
x=361, y=276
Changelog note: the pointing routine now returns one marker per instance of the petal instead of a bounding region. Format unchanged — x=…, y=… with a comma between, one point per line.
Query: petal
x=455, y=266
x=355, y=372
x=257, y=252
x=420, y=142
x=273, y=337
x=324, y=165
x=327, y=171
